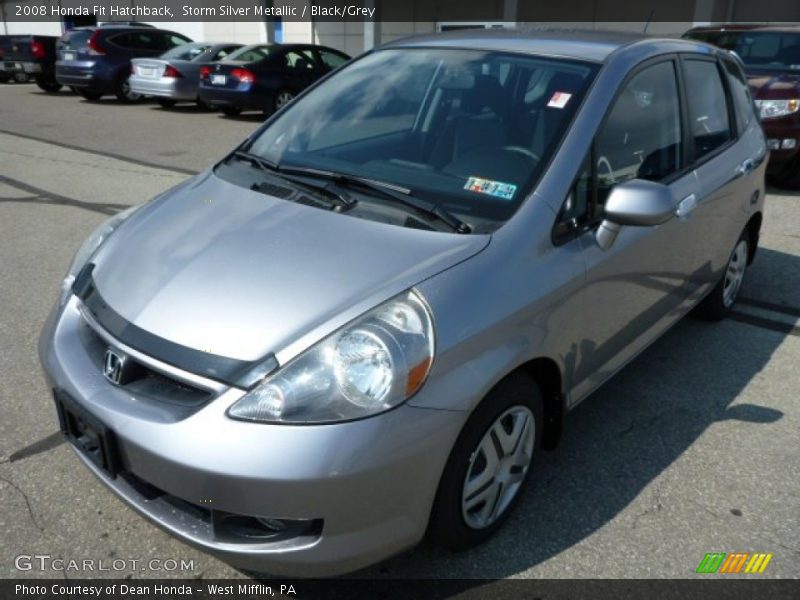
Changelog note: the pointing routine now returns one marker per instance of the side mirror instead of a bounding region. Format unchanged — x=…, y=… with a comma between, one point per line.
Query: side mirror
x=637, y=202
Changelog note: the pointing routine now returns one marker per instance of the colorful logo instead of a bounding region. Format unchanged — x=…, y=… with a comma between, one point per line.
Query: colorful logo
x=735, y=562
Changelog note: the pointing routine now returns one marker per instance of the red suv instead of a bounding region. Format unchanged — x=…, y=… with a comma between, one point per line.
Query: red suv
x=771, y=57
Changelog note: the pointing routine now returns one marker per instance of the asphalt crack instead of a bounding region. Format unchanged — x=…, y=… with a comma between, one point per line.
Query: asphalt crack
x=27, y=502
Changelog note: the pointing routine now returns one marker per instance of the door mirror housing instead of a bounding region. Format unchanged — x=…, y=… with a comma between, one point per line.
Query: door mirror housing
x=637, y=203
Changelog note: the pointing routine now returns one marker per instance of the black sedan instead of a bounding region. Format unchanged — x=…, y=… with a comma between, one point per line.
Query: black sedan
x=265, y=77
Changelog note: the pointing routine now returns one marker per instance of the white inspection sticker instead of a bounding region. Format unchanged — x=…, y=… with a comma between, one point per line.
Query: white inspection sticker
x=498, y=189
x=559, y=100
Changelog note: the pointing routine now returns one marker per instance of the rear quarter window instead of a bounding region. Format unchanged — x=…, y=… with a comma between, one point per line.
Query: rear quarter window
x=740, y=91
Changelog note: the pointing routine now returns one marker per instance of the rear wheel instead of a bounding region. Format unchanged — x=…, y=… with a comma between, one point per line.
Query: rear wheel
x=282, y=98
x=166, y=102
x=122, y=89
x=489, y=464
x=50, y=86
x=231, y=111
x=721, y=299
x=88, y=94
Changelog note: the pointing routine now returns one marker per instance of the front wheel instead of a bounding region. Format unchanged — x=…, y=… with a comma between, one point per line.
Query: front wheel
x=721, y=299
x=489, y=465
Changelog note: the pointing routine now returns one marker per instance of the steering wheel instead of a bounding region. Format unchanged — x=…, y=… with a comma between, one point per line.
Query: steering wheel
x=522, y=150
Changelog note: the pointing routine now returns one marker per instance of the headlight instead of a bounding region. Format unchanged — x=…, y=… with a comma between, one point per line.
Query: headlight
x=770, y=109
x=371, y=365
x=89, y=247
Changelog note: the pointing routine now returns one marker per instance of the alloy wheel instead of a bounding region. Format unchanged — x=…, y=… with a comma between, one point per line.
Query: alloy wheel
x=126, y=91
x=497, y=467
x=734, y=273
x=282, y=99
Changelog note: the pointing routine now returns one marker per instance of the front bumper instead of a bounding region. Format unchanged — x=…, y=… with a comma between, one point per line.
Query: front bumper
x=164, y=87
x=368, y=484
x=783, y=139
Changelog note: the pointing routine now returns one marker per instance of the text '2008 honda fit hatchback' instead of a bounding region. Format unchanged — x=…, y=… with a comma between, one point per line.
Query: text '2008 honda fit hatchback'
x=362, y=325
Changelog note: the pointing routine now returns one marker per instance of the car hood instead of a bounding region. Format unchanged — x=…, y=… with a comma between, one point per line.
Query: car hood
x=237, y=273
x=774, y=85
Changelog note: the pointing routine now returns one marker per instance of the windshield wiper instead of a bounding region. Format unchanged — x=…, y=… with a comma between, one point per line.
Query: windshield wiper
x=389, y=190
x=343, y=201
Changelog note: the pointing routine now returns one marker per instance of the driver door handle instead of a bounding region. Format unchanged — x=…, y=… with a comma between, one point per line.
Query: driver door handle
x=686, y=206
x=747, y=165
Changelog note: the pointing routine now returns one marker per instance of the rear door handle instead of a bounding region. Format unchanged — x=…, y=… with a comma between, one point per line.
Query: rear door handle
x=686, y=206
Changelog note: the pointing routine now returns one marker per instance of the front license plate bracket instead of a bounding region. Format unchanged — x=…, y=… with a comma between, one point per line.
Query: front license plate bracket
x=88, y=434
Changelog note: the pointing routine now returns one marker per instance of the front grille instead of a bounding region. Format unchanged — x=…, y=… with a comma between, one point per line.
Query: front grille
x=150, y=383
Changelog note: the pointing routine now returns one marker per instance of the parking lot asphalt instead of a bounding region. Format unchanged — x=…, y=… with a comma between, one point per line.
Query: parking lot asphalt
x=692, y=448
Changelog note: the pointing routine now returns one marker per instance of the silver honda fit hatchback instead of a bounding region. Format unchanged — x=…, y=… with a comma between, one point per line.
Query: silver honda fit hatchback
x=362, y=325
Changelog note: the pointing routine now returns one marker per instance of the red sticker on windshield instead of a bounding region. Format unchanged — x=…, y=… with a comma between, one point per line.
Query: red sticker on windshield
x=559, y=100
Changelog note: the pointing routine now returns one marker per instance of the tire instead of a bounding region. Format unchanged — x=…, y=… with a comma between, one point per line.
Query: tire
x=89, y=95
x=721, y=299
x=789, y=177
x=282, y=98
x=4, y=78
x=50, y=86
x=166, y=102
x=122, y=90
x=202, y=105
x=458, y=523
x=231, y=111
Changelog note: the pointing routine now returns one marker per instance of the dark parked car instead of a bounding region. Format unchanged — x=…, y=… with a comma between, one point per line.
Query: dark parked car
x=175, y=75
x=26, y=57
x=96, y=61
x=771, y=57
x=265, y=77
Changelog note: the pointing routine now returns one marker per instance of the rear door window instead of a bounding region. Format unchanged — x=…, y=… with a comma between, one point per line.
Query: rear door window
x=708, y=106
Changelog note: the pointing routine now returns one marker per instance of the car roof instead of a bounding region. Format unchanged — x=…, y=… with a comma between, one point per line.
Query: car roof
x=582, y=44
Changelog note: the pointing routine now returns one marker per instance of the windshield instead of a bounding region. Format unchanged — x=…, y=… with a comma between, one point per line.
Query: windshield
x=186, y=51
x=470, y=131
x=758, y=49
